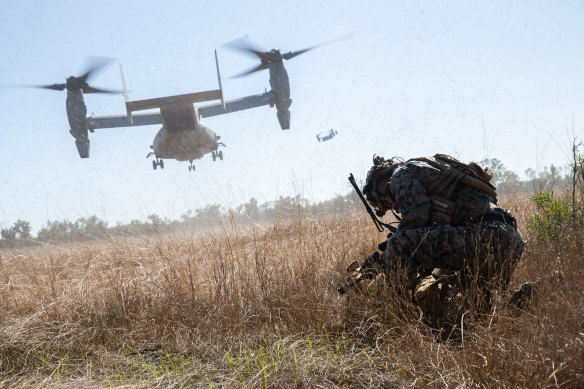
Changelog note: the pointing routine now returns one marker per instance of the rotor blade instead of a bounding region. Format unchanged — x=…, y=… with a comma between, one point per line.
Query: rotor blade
x=90, y=89
x=245, y=46
x=53, y=87
x=252, y=70
x=95, y=64
x=292, y=54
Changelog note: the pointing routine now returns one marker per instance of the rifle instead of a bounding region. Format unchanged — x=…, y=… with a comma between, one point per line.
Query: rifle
x=378, y=223
x=369, y=268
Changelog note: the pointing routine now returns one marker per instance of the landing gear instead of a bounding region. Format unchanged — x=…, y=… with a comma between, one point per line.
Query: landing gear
x=191, y=166
x=217, y=154
x=158, y=163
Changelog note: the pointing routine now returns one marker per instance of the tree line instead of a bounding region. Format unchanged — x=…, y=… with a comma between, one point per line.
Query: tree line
x=93, y=228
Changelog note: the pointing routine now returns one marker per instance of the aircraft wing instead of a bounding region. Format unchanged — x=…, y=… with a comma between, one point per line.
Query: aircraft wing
x=140, y=119
x=144, y=119
x=172, y=105
x=235, y=105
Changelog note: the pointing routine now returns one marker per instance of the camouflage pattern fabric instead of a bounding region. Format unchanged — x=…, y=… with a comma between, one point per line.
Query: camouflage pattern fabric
x=408, y=186
x=491, y=248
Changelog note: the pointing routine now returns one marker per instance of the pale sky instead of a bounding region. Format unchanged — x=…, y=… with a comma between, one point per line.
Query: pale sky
x=498, y=79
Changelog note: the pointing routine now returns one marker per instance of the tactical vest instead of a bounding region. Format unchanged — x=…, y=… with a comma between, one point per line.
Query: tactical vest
x=455, y=172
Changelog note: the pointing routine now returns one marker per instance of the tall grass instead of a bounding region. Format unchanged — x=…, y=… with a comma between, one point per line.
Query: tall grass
x=256, y=306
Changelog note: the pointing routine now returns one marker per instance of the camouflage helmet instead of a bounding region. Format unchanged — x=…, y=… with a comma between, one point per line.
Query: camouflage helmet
x=381, y=169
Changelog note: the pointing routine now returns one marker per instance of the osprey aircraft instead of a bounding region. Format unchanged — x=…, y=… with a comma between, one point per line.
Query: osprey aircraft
x=326, y=135
x=183, y=136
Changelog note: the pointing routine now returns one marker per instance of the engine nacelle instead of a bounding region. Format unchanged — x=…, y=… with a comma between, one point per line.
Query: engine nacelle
x=77, y=115
x=284, y=118
x=82, y=144
x=281, y=89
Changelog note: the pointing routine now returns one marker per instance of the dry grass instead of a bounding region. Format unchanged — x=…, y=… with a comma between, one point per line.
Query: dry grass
x=252, y=306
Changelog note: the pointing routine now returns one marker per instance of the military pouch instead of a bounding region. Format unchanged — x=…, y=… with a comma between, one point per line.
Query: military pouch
x=441, y=210
x=499, y=214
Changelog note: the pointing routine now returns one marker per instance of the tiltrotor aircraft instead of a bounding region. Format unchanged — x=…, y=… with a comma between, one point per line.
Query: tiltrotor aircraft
x=326, y=135
x=183, y=136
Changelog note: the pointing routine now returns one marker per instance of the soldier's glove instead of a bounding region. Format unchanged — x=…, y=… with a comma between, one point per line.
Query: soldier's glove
x=370, y=266
x=383, y=245
x=367, y=270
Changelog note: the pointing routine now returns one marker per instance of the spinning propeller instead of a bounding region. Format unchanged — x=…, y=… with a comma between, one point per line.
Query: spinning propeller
x=95, y=64
x=272, y=56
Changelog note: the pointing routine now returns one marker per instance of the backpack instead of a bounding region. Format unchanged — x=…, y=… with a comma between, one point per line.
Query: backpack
x=455, y=172
x=470, y=174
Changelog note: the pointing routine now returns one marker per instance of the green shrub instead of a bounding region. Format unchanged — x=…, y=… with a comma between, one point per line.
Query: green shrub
x=557, y=213
x=554, y=214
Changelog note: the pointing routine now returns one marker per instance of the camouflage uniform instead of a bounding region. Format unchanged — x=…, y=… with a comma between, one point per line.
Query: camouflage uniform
x=489, y=243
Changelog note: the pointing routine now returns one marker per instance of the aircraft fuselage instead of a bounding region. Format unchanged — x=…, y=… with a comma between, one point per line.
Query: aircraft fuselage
x=184, y=145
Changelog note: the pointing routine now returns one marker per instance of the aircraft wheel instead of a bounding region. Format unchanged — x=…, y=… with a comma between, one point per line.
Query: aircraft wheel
x=213, y=155
x=161, y=164
x=189, y=168
x=154, y=165
x=221, y=155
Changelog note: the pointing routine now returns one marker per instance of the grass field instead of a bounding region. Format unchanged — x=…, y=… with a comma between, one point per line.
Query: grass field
x=256, y=306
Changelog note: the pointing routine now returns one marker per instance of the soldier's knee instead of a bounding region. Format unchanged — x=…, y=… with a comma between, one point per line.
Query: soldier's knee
x=397, y=245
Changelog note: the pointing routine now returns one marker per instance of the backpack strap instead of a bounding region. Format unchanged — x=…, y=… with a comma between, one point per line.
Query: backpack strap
x=454, y=172
x=474, y=171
